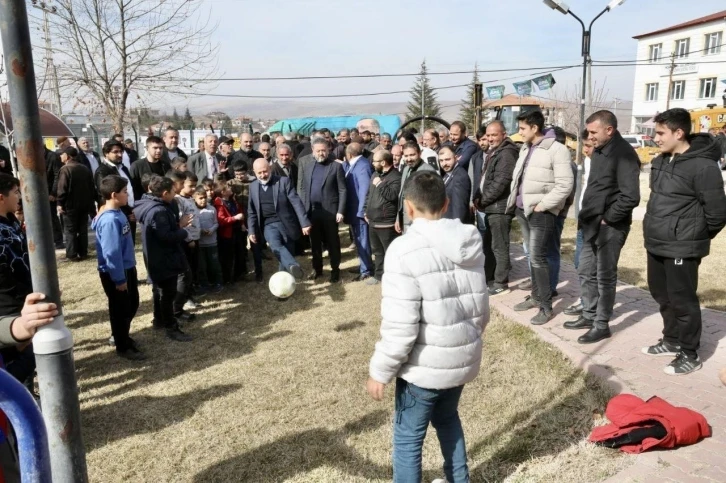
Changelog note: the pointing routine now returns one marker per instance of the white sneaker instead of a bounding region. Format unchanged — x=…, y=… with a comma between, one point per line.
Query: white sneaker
x=190, y=305
x=439, y=480
x=111, y=341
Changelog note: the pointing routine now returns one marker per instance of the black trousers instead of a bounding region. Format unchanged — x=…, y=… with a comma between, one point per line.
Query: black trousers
x=537, y=230
x=324, y=230
x=496, y=249
x=673, y=284
x=225, y=248
x=75, y=229
x=164, y=295
x=185, y=281
x=57, y=230
x=598, y=274
x=380, y=239
x=122, y=307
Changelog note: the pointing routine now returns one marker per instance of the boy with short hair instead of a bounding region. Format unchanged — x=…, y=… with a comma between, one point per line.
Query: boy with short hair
x=240, y=172
x=210, y=271
x=117, y=264
x=161, y=237
x=435, y=306
x=185, y=283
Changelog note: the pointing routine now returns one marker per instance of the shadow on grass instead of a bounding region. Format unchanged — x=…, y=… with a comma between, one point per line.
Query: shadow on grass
x=349, y=326
x=302, y=453
x=145, y=414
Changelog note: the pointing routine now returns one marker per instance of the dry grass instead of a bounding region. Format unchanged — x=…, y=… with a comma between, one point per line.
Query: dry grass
x=273, y=391
x=632, y=267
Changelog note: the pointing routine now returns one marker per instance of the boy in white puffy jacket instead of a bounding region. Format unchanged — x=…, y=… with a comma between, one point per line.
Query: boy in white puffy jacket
x=435, y=306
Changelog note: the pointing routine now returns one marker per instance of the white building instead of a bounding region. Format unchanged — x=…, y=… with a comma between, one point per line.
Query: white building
x=694, y=51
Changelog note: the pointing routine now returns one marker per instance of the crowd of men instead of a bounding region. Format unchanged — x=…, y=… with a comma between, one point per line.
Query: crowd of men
x=201, y=214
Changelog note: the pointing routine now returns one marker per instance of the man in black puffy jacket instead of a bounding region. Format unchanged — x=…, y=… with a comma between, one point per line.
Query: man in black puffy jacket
x=490, y=197
x=687, y=208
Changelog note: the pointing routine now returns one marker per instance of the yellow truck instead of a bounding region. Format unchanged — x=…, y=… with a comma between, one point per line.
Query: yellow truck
x=705, y=120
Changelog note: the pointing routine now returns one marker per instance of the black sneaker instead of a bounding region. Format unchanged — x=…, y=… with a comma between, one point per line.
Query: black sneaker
x=296, y=272
x=555, y=294
x=175, y=333
x=662, y=349
x=498, y=291
x=542, y=317
x=529, y=303
x=682, y=365
x=131, y=355
x=185, y=316
x=335, y=276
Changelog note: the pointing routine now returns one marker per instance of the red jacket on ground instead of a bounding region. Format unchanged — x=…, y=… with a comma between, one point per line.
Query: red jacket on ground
x=627, y=412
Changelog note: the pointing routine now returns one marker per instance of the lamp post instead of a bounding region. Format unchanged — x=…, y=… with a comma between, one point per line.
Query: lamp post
x=564, y=9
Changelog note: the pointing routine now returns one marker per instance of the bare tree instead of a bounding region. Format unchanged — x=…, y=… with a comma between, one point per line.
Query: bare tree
x=566, y=101
x=114, y=51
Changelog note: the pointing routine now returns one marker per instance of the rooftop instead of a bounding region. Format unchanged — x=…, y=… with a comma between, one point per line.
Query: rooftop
x=692, y=23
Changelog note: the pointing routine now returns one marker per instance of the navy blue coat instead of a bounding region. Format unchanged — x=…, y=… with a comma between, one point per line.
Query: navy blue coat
x=357, y=183
x=161, y=238
x=458, y=189
x=288, y=205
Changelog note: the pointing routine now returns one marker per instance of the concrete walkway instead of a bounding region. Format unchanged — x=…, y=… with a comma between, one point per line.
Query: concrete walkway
x=637, y=323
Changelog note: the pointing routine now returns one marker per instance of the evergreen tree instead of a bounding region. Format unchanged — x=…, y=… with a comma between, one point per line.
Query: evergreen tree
x=422, y=90
x=467, y=114
x=187, y=121
x=175, y=117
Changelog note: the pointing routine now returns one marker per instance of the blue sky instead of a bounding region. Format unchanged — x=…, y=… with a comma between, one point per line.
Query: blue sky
x=324, y=37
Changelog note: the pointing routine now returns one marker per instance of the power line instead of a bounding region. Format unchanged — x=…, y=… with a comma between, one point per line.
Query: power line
x=649, y=61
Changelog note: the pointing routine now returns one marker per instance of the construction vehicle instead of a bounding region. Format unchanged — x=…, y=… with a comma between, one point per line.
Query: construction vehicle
x=703, y=120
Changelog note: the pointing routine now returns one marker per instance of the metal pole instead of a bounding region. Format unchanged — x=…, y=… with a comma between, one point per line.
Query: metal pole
x=53, y=344
x=578, y=159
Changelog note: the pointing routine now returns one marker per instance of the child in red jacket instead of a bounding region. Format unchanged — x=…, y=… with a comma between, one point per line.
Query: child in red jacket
x=228, y=217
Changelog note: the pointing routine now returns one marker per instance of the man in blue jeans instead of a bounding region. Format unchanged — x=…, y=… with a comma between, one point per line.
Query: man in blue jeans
x=277, y=215
x=435, y=307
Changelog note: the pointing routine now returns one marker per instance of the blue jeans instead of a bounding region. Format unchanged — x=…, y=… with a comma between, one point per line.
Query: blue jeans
x=415, y=408
x=281, y=245
x=362, y=242
x=481, y=223
x=578, y=248
x=554, y=254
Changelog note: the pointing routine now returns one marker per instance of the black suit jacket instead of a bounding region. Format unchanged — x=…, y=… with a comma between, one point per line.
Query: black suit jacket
x=289, y=208
x=106, y=170
x=83, y=159
x=613, y=188
x=458, y=189
x=292, y=168
x=334, y=190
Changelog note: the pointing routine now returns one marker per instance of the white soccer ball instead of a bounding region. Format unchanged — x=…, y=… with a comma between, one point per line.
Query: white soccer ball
x=282, y=285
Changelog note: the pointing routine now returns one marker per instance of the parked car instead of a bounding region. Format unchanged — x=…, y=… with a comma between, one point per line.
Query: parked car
x=640, y=141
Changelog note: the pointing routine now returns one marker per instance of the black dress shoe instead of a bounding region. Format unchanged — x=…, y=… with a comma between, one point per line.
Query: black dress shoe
x=580, y=323
x=575, y=309
x=335, y=276
x=594, y=335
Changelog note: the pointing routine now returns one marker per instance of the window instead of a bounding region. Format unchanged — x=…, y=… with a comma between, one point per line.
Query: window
x=651, y=92
x=678, y=90
x=655, y=50
x=708, y=88
x=682, y=48
x=713, y=43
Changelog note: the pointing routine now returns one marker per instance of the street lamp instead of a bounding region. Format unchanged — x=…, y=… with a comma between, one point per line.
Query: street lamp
x=564, y=9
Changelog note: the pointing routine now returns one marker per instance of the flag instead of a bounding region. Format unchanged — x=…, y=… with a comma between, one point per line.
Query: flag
x=523, y=88
x=544, y=82
x=495, y=92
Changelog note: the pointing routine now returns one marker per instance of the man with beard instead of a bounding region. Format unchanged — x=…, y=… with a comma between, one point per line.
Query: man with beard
x=112, y=164
x=130, y=157
x=414, y=163
x=444, y=136
x=457, y=185
x=171, y=145
x=368, y=142
x=266, y=151
x=386, y=142
x=490, y=198
x=381, y=208
x=152, y=164
x=284, y=167
x=276, y=214
x=397, y=155
x=464, y=147
x=343, y=142
x=246, y=154
x=323, y=193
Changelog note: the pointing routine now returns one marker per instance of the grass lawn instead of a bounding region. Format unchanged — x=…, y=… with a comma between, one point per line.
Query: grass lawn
x=274, y=391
